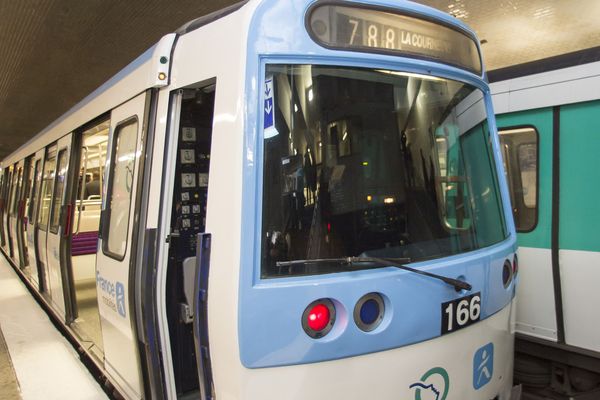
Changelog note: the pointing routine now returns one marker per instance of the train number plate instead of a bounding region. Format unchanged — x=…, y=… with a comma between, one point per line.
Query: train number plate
x=457, y=314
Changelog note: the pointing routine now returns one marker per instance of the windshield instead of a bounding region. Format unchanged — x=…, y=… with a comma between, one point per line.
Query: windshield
x=373, y=163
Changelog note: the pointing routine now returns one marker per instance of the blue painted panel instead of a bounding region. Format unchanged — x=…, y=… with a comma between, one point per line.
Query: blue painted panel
x=270, y=330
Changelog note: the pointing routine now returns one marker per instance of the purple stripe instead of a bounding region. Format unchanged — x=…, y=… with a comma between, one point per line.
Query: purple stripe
x=84, y=243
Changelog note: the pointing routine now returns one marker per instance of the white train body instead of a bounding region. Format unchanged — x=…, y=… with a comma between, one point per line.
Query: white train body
x=148, y=267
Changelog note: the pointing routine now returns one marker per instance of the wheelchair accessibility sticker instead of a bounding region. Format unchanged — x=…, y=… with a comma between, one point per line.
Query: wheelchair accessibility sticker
x=483, y=366
x=434, y=385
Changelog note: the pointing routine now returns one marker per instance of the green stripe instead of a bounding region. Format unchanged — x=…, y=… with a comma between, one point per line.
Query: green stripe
x=541, y=119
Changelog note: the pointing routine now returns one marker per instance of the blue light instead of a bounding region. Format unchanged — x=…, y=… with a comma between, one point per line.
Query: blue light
x=506, y=273
x=369, y=312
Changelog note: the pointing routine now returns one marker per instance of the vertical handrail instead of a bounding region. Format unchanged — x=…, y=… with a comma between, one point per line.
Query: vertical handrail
x=201, y=316
x=101, y=164
x=82, y=191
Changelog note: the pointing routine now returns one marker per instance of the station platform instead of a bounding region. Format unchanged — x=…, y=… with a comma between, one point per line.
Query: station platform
x=36, y=361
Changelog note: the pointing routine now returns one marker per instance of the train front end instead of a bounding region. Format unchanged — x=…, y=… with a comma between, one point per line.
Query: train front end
x=378, y=249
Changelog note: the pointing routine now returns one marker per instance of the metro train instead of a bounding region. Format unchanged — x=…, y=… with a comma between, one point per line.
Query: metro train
x=317, y=212
x=549, y=135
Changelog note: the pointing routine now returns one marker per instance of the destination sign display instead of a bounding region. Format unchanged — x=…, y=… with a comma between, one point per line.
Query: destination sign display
x=367, y=30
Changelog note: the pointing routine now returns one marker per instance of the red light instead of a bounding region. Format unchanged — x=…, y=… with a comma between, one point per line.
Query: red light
x=318, y=317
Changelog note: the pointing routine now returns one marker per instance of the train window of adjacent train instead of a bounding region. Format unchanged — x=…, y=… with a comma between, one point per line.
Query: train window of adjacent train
x=400, y=170
x=521, y=162
x=61, y=172
x=34, y=191
x=120, y=188
x=47, y=183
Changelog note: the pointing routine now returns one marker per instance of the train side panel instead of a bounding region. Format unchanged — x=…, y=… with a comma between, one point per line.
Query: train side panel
x=579, y=254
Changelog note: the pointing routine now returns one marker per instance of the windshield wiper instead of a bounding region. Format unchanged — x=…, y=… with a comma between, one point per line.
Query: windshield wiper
x=381, y=262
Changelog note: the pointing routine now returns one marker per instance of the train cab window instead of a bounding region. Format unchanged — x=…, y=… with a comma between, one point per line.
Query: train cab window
x=122, y=172
x=403, y=169
x=520, y=156
x=47, y=186
x=59, y=185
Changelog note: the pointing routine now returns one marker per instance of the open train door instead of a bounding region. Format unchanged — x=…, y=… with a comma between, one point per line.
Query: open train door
x=7, y=246
x=32, y=212
x=113, y=266
x=18, y=215
x=59, y=227
x=14, y=213
x=3, y=185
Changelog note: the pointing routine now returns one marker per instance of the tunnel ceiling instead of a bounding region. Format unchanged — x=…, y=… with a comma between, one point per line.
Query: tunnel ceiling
x=55, y=52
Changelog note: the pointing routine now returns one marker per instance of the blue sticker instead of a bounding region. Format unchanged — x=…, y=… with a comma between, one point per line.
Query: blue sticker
x=483, y=366
x=269, y=111
x=121, y=299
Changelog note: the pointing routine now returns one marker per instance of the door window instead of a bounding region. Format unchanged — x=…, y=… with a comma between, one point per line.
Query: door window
x=120, y=188
x=34, y=192
x=520, y=153
x=61, y=171
x=47, y=183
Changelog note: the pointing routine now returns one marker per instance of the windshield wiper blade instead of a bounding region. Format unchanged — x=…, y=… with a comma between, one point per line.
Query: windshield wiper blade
x=391, y=262
x=382, y=262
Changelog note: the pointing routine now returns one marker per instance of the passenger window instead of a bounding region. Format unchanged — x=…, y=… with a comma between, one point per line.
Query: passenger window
x=520, y=153
x=120, y=188
x=61, y=171
x=47, y=183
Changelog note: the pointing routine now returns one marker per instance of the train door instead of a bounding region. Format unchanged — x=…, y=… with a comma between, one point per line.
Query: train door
x=3, y=171
x=16, y=210
x=186, y=317
x=23, y=216
x=43, y=216
x=12, y=213
x=91, y=152
x=57, y=232
x=113, y=268
x=8, y=210
x=578, y=239
x=32, y=210
x=527, y=144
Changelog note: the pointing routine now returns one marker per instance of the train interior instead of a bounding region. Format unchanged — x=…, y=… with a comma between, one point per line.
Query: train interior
x=188, y=219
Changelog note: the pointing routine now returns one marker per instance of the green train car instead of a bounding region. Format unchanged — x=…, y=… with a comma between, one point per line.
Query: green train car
x=549, y=126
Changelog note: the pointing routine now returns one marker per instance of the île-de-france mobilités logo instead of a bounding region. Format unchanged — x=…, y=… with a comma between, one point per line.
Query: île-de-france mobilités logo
x=434, y=385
